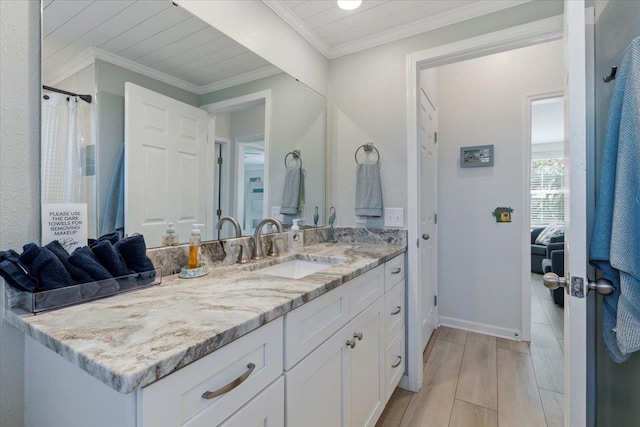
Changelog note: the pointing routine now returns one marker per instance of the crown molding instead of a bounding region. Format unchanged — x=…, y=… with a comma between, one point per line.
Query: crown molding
x=289, y=16
x=90, y=55
x=250, y=76
x=80, y=62
x=454, y=16
x=144, y=70
x=464, y=13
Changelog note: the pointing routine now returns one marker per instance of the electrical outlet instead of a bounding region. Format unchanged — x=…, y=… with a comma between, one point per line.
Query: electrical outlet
x=394, y=217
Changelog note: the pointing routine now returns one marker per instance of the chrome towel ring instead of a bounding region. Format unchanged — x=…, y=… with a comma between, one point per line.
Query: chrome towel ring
x=368, y=147
x=295, y=154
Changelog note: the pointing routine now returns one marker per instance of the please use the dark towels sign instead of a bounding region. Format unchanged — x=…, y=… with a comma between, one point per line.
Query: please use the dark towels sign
x=66, y=223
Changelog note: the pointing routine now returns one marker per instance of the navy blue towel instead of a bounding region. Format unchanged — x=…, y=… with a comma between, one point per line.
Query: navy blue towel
x=134, y=251
x=78, y=274
x=110, y=258
x=15, y=274
x=112, y=237
x=83, y=258
x=46, y=267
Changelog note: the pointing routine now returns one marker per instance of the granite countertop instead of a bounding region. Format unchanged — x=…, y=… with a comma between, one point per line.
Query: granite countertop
x=132, y=340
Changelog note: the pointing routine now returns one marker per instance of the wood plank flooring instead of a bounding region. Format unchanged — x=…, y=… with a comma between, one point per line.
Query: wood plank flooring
x=478, y=380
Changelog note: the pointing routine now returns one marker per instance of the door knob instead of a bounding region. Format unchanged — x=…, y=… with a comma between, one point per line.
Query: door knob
x=553, y=281
x=601, y=286
x=425, y=236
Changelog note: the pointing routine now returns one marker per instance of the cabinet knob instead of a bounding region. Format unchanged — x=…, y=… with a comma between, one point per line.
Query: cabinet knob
x=358, y=335
x=351, y=343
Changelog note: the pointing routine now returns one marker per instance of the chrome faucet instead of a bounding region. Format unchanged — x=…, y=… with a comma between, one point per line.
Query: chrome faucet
x=233, y=221
x=257, y=248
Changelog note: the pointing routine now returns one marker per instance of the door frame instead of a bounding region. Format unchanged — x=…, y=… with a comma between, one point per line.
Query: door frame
x=239, y=103
x=545, y=30
x=240, y=196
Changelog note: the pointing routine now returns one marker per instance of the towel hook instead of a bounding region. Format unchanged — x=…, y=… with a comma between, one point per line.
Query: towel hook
x=368, y=147
x=295, y=154
x=611, y=76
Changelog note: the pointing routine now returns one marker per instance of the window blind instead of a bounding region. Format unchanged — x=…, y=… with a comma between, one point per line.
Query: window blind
x=547, y=191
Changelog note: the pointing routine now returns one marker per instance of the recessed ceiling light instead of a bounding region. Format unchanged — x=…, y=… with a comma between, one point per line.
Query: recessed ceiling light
x=349, y=4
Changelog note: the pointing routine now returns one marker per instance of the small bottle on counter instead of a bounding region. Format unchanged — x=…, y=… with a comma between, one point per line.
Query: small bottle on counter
x=170, y=238
x=298, y=244
x=194, y=247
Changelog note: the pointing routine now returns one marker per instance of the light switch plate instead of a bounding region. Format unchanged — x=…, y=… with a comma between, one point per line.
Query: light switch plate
x=394, y=217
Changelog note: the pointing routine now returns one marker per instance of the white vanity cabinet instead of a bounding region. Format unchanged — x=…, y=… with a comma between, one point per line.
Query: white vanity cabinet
x=333, y=361
x=347, y=380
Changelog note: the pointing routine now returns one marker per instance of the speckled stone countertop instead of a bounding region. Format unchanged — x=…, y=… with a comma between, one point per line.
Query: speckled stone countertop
x=131, y=340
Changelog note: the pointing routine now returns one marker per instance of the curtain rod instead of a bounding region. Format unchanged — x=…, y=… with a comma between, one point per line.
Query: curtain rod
x=86, y=98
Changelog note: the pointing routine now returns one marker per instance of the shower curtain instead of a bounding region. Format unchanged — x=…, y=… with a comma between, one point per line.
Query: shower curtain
x=66, y=134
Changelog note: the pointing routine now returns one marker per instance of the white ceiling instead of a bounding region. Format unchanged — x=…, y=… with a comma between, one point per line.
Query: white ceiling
x=153, y=34
x=336, y=32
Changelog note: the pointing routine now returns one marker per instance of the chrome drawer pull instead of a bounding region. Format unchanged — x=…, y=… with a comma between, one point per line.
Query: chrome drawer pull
x=396, y=270
x=396, y=311
x=233, y=384
x=395, y=365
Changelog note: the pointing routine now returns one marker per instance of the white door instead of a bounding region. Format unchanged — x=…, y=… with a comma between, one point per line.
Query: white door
x=576, y=255
x=428, y=207
x=165, y=165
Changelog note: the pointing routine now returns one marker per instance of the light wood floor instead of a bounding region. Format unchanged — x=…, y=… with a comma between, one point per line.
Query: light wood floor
x=473, y=380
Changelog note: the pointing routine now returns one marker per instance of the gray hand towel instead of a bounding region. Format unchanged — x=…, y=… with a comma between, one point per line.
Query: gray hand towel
x=291, y=194
x=368, y=190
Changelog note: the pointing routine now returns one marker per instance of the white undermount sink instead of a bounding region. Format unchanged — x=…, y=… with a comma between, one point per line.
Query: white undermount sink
x=296, y=269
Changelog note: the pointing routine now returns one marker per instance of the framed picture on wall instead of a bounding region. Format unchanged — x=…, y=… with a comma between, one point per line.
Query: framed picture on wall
x=478, y=156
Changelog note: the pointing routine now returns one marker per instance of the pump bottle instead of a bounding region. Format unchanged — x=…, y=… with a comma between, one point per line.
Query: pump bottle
x=194, y=247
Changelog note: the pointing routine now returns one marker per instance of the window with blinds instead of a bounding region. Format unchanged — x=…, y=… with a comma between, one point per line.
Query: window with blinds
x=547, y=191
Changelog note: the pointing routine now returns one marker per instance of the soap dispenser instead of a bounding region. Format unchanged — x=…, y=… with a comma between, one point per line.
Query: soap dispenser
x=194, y=247
x=298, y=244
x=170, y=238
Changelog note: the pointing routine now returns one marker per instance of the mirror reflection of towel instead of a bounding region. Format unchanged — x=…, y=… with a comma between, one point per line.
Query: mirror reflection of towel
x=368, y=190
x=293, y=193
x=113, y=219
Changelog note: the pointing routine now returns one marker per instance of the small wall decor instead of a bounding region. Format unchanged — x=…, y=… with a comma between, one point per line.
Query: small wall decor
x=476, y=157
x=502, y=214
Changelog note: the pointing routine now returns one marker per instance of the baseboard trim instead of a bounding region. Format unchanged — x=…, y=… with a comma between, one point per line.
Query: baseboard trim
x=511, y=334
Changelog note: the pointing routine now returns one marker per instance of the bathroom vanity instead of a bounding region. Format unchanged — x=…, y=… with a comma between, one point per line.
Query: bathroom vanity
x=238, y=347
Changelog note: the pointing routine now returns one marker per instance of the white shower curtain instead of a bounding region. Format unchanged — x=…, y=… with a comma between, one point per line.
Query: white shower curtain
x=66, y=132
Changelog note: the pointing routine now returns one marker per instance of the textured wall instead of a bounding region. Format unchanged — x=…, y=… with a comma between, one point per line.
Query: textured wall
x=19, y=173
x=367, y=102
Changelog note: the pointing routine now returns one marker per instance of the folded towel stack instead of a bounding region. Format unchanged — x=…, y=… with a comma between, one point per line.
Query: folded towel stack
x=52, y=267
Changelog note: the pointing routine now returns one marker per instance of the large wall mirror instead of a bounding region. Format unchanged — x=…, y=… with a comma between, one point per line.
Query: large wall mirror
x=181, y=124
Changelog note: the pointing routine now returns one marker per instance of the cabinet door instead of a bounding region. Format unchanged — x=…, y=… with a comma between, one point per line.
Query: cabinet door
x=367, y=366
x=265, y=410
x=318, y=389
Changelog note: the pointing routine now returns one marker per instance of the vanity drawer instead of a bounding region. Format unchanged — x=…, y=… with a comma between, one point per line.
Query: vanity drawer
x=365, y=289
x=306, y=327
x=393, y=272
x=178, y=397
x=394, y=363
x=394, y=311
x=266, y=409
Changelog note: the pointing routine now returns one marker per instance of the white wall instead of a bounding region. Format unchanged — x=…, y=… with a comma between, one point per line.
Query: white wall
x=367, y=102
x=483, y=101
x=258, y=28
x=19, y=174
